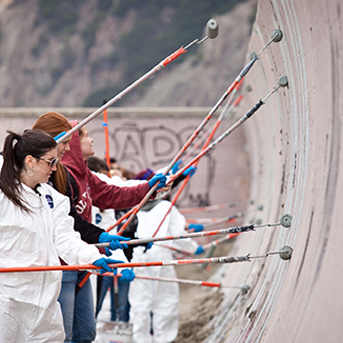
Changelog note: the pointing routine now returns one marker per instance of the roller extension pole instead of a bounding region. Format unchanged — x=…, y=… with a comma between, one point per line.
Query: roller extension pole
x=190, y=282
x=283, y=82
x=184, y=184
x=285, y=254
x=241, y=75
x=183, y=211
x=107, y=143
x=184, y=252
x=230, y=230
x=229, y=104
x=208, y=208
x=188, y=235
x=224, y=259
x=285, y=222
x=211, y=31
x=214, y=221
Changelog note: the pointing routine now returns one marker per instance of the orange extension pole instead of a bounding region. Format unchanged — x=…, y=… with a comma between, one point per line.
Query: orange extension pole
x=244, y=228
x=107, y=143
x=181, y=251
x=107, y=155
x=208, y=208
x=207, y=222
x=223, y=259
x=191, y=282
x=129, y=88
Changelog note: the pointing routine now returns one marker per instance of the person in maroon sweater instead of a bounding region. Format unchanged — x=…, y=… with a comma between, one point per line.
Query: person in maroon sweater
x=92, y=191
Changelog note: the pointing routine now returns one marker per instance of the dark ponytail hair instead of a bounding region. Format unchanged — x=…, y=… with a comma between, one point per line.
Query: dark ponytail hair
x=16, y=147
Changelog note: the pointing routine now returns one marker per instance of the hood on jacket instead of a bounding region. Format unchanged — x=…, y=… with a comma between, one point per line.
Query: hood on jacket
x=73, y=159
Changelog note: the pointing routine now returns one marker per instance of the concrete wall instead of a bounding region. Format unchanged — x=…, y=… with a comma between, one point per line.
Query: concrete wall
x=295, y=151
x=151, y=137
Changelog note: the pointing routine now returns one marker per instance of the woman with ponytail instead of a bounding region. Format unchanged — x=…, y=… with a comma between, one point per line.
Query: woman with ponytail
x=35, y=230
x=54, y=124
x=85, y=189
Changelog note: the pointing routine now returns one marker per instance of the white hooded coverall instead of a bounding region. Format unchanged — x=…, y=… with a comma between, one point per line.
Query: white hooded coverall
x=29, y=311
x=160, y=298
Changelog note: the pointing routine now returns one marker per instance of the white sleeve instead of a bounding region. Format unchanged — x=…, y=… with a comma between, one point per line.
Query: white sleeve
x=117, y=181
x=68, y=243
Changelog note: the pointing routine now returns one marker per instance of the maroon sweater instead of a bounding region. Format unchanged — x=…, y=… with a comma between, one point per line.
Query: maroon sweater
x=92, y=190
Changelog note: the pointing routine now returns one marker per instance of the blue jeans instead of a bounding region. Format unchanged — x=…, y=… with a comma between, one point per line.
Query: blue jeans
x=123, y=302
x=77, y=309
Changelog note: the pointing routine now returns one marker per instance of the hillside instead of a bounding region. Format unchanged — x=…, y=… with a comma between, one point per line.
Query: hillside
x=62, y=53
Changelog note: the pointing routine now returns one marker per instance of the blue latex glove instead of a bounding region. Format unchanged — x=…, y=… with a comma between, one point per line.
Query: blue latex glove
x=199, y=250
x=158, y=177
x=108, y=252
x=103, y=263
x=176, y=166
x=114, y=240
x=190, y=171
x=127, y=275
x=196, y=227
x=148, y=246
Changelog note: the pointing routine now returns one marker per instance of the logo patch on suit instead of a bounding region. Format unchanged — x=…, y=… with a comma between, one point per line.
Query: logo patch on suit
x=50, y=201
x=98, y=218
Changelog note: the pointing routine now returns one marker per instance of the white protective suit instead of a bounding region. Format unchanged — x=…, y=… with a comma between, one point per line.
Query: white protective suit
x=29, y=311
x=104, y=219
x=160, y=298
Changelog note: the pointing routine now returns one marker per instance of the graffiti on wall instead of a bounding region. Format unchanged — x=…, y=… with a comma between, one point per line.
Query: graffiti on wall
x=137, y=147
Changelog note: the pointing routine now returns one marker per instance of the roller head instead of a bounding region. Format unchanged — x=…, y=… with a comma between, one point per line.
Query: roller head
x=245, y=289
x=212, y=28
x=286, y=220
x=286, y=252
x=283, y=81
x=277, y=36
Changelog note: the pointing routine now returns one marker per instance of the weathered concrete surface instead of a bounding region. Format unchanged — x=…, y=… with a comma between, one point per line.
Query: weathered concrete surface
x=295, y=148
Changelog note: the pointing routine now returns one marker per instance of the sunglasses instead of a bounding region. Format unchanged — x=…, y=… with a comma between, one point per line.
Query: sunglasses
x=52, y=163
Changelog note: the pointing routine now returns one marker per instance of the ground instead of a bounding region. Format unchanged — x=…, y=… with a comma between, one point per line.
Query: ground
x=198, y=304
